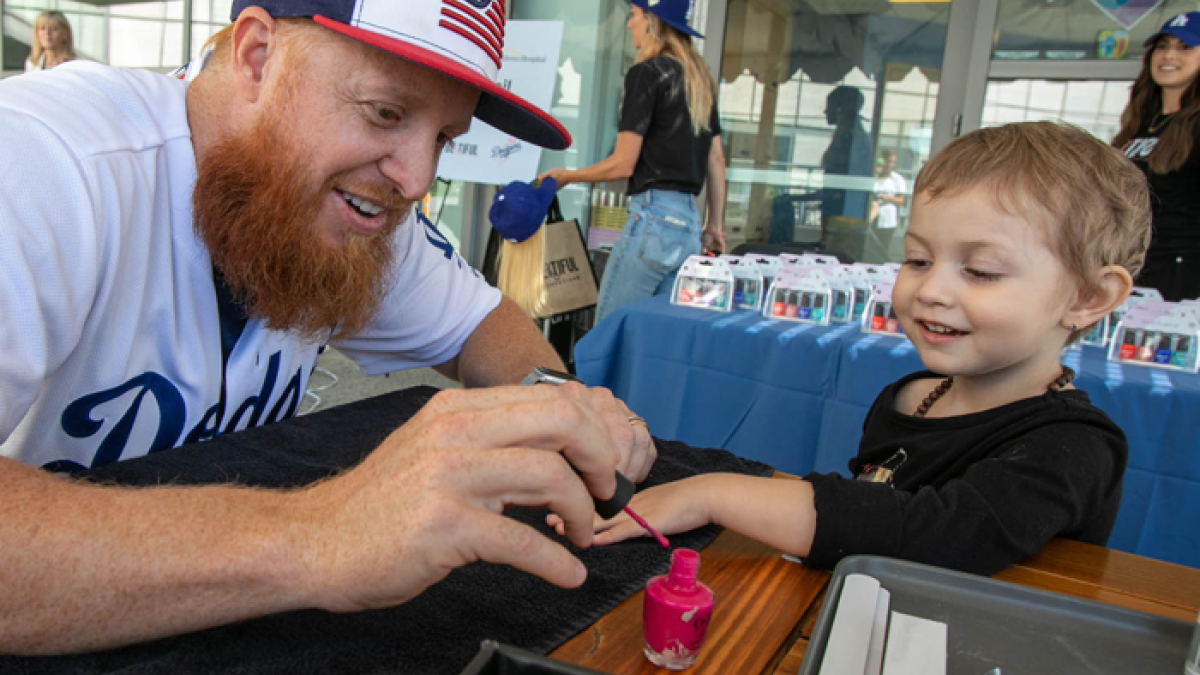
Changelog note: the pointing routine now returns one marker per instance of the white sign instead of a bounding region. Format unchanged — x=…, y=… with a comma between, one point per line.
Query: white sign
x=485, y=155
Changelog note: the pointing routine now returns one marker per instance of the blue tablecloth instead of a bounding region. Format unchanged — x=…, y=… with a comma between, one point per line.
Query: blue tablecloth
x=795, y=395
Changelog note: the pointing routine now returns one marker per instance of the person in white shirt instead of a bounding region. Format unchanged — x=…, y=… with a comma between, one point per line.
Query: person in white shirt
x=890, y=190
x=53, y=42
x=171, y=269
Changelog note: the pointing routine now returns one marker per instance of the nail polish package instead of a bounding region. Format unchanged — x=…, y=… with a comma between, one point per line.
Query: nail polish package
x=799, y=293
x=794, y=260
x=808, y=260
x=877, y=273
x=676, y=612
x=706, y=283
x=880, y=317
x=863, y=285
x=747, y=282
x=768, y=266
x=1158, y=334
x=841, y=288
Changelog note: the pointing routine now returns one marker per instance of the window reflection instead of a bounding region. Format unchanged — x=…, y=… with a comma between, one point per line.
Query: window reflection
x=811, y=102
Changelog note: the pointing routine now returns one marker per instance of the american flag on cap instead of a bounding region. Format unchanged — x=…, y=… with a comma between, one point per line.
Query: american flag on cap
x=463, y=39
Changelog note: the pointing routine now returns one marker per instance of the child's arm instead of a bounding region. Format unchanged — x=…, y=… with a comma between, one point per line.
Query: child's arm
x=776, y=511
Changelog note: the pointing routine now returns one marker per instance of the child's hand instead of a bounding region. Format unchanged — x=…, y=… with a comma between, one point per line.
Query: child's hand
x=672, y=508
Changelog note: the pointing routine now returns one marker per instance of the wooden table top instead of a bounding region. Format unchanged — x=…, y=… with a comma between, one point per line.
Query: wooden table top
x=766, y=606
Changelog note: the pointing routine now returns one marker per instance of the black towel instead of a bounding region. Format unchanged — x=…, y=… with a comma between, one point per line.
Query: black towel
x=437, y=632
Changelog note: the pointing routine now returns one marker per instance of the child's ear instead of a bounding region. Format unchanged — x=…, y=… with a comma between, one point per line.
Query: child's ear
x=1112, y=286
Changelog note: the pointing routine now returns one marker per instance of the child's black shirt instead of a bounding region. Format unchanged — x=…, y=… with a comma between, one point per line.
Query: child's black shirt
x=976, y=492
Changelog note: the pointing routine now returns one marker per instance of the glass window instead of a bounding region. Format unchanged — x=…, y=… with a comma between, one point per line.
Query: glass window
x=1079, y=30
x=1095, y=105
x=133, y=34
x=827, y=110
x=208, y=17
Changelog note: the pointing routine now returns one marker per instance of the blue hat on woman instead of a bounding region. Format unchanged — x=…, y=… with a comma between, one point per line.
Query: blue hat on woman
x=1186, y=27
x=674, y=13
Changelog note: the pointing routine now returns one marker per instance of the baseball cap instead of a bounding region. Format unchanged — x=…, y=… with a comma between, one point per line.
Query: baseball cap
x=674, y=13
x=519, y=208
x=463, y=39
x=1186, y=27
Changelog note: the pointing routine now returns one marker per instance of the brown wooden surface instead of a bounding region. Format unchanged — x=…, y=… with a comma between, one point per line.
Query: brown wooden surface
x=1083, y=571
x=760, y=600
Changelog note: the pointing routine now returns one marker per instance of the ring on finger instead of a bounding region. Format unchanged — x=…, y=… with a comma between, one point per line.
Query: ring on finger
x=634, y=419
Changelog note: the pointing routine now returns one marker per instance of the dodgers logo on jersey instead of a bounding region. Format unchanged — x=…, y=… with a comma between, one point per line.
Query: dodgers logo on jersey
x=79, y=418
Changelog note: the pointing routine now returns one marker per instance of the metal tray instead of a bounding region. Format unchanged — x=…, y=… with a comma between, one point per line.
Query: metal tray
x=1020, y=630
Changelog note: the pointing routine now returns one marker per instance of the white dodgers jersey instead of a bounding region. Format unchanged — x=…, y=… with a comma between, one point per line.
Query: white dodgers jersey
x=110, y=345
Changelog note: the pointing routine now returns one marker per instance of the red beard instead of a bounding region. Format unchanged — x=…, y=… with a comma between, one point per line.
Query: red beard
x=255, y=207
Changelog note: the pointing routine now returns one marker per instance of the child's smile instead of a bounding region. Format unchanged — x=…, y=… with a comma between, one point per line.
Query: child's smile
x=981, y=294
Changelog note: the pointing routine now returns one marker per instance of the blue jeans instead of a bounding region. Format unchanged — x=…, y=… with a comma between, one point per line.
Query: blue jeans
x=663, y=229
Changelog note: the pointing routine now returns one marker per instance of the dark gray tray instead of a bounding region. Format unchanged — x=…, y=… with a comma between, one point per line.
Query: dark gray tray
x=1021, y=630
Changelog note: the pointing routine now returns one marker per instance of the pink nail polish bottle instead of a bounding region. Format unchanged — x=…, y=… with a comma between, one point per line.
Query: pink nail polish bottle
x=676, y=613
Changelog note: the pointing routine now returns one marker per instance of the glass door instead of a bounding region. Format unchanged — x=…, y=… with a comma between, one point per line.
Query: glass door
x=825, y=107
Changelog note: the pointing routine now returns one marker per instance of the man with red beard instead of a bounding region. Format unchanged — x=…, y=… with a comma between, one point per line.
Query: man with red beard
x=174, y=254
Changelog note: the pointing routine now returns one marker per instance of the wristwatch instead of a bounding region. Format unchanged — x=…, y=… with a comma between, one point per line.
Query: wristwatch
x=542, y=374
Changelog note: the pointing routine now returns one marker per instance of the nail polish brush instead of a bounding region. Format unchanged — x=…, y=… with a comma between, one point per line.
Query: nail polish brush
x=608, y=508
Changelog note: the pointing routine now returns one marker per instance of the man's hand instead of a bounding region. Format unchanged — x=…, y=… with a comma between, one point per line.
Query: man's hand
x=635, y=449
x=430, y=498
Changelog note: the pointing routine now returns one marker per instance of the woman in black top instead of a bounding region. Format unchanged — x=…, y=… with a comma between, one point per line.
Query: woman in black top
x=1159, y=133
x=669, y=147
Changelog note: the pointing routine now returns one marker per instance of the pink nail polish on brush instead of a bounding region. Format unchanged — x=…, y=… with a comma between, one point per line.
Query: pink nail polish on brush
x=676, y=612
x=646, y=526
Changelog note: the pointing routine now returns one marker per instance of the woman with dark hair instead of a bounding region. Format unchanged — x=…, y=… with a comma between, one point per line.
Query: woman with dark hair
x=1159, y=133
x=669, y=147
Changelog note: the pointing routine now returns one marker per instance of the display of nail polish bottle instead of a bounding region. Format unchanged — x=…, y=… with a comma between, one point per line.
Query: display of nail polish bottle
x=685, y=291
x=1162, y=355
x=1128, y=346
x=893, y=324
x=804, y=310
x=818, y=308
x=779, y=307
x=877, y=320
x=1182, y=354
x=860, y=303
x=739, y=292
x=750, y=294
x=793, y=302
x=720, y=294
x=840, y=298
x=1146, y=353
x=676, y=612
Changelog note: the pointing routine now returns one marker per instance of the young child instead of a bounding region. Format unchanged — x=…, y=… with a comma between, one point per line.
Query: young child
x=1021, y=238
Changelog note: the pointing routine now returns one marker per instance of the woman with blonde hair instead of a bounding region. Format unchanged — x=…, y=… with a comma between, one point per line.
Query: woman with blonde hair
x=1160, y=132
x=53, y=42
x=669, y=147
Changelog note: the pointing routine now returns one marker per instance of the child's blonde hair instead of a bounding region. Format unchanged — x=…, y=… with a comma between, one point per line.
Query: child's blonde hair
x=1092, y=202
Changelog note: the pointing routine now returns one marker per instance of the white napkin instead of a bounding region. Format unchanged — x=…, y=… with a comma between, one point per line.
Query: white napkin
x=848, y=647
x=915, y=646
